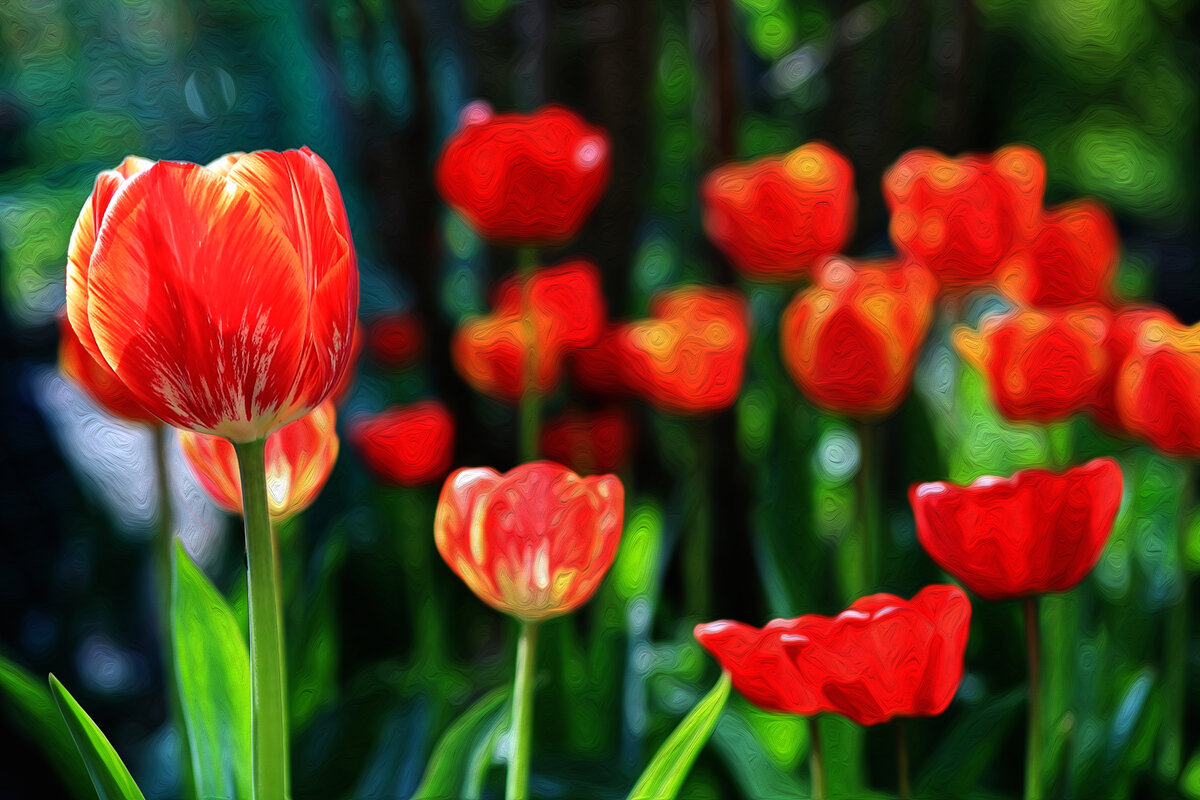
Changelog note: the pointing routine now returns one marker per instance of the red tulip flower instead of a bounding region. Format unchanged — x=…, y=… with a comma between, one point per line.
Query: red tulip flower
x=1158, y=388
x=534, y=542
x=776, y=216
x=964, y=218
x=528, y=179
x=1034, y=533
x=1040, y=365
x=299, y=458
x=852, y=340
x=1073, y=259
x=562, y=310
x=590, y=443
x=881, y=658
x=406, y=445
x=97, y=378
x=1122, y=333
x=223, y=297
x=395, y=340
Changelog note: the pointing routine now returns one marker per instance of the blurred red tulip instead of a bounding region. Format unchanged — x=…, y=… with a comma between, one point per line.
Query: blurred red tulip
x=97, y=378
x=299, y=458
x=851, y=341
x=964, y=217
x=524, y=178
x=406, y=445
x=774, y=217
x=1072, y=260
x=564, y=311
x=1119, y=345
x=223, y=297
x=534, y=542
x=1033, y=533
x=601, y=367
x=589, y=443
x=1040, y=365
x=690, y=357
x=395, y=340
x=881, y=658
x=1158, y=387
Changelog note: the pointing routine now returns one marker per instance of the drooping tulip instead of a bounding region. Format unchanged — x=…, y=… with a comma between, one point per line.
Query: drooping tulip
x=1072, y=259
x=883, y=657
x=1033, y=533
x=1158, y=387
x=525, y=179
x=406, y=445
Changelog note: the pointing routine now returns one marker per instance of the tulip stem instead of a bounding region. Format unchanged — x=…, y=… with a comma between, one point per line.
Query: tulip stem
x=902, y=760
x=868, y=503
x=1170, y=754
x=698, y=548
x=268, y=713
x=521, y=727
x=531, y=399
x=1033, y=744
x=816, y=761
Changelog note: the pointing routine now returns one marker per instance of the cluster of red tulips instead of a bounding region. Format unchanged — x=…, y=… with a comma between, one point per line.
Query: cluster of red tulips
x=222, y=300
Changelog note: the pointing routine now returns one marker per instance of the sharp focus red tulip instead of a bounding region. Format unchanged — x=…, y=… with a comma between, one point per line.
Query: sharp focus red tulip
x=224, y=297
x=964, y=217
x=406, y=445
x=564, y=311
x=1119, y=346
x=524, y=178
x=299, y=458
x=851, y=341
x=1041, y=365
x=1072, y=260
x=395, y=340
x=97, y=378
x=1033, y=533
x=881, y=658
x=589, y=443
x=776, y=216
x=534, y=542
x=1158, y=387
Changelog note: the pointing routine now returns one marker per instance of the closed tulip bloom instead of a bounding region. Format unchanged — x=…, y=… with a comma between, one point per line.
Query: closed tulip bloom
x=534, y=542
x=1122, y=332
x=1040, y=365
x=590, y=443
x=299, y=458
x=1072, y=259
x=97, y=378
x=406, y=445
x=851, y=341
x=395, y=340
x=1034, y=533
x=775, y=217
x=883, y=657
x=529, y=179
x=1158, y=387
x=224, y=297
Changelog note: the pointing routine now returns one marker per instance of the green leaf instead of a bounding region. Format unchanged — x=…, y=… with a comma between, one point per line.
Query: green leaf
x=444, y=774
x=213, y=666
x=665, y=774
x=970, y=746
x=109, y=776
x=36, y=713
x=763, y=750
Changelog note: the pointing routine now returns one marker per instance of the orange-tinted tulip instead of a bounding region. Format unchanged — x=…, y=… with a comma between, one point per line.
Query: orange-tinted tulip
x=589, y=443
x=395, y=340
x=407, y=445
x=524, y=178
x=299, y=458
x=1072, y=260
x=1040, y=365
x=1033, y=533
x=223, y=297
x=1118, y=346
x=964, y=217
x=776, y=216
x=690, y=357
x=564, y=310
x=97, y=378
x=851, y=341
x=534, y=542
x=1158, y=388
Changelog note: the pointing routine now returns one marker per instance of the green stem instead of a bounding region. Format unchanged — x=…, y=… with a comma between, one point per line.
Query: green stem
x=902, y=760
x=1170, y=755
x=698, y=548
x=531, y=399
x=268, y=712
x=869, y=489
x=522, y=714
x=815, y=760
x=1033, y=751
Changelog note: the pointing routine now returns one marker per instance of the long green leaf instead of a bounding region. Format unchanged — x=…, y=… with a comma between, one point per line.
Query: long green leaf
x=444, y=774
x=213, y=666
x=36, y=713
x=667, y=771
x=109, y=776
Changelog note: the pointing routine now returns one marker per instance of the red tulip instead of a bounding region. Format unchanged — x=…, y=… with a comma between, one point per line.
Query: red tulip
x=524, y=178
x=964, y=218
x=1119, y=346
x=1040, y=365
x=1158, y=388
x=1072, y=260
x=1033, y=533
x=776, y=216
x=223, y=297
x=299, y=458
x=97, y=378
x=589, y=443
x=690, y=357
x=881, y=658
x=564, y=311
x=407, y=445
x=395, y=340
x=534, y=542
x=851, y=341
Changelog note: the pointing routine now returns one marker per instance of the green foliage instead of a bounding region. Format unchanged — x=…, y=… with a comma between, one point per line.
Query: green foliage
x=109, y=775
